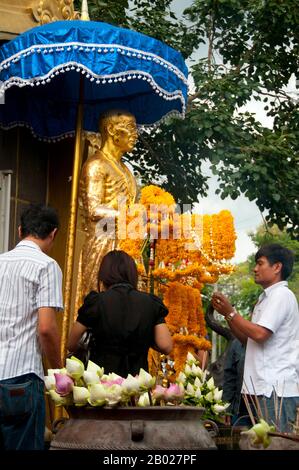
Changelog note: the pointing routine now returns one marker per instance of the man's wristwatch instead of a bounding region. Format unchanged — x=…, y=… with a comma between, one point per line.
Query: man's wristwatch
x=230, y=315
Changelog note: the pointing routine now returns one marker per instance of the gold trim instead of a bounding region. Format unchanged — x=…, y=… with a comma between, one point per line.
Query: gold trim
x=46, y=11
x=70, y=246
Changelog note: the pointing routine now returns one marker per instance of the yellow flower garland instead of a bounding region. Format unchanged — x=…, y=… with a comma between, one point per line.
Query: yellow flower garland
x=185, y=264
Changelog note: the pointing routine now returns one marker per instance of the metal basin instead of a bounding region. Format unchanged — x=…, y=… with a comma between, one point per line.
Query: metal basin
x=133, y=428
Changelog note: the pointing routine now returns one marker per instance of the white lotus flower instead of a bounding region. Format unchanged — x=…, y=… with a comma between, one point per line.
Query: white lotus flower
x=209, y=396
x=80, y=395
x=93, y=367
x=219, y=408
x=187, y=370
x=59, y=400
x=197, y=383
x=145, y=379
x=181, y=378
x=196, y=370
x=190, y=390
x=198, y=393
x=114, y=394
x=74, y=367
x=190, y=359
x=144, y=400
x=217, y=394
x=204, y=375
x=210, y=384
x=97, y=395
x=130, y=385
x=50, y=382
x=91, y=377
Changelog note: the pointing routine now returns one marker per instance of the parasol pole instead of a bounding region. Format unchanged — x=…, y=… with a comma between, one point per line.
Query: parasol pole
x=71, y=238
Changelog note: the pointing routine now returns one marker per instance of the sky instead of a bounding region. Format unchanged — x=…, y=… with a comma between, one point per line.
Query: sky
x=247, y=216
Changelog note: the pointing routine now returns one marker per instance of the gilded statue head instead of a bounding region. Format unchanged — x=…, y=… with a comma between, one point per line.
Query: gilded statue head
x=120, y=127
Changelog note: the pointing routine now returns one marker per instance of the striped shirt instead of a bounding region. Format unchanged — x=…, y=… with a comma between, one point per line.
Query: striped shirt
x=29, y=279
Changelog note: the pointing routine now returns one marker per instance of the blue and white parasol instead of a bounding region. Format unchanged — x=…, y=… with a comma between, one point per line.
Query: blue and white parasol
x=40, y=73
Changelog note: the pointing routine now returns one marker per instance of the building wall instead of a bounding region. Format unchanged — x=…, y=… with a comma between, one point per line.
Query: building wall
x=26, y=157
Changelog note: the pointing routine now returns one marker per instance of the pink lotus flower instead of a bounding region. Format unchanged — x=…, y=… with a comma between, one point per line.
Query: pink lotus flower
x=64, y=384
x=159, y=393
x=109, y=383
x=174, y=392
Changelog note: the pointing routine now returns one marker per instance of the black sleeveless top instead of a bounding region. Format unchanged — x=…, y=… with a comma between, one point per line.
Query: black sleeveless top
x=122, y=320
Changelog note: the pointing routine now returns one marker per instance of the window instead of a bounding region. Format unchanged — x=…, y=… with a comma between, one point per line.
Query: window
x=5, y=186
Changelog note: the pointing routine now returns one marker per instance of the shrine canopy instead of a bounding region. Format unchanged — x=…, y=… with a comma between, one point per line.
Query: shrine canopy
x=40, y=73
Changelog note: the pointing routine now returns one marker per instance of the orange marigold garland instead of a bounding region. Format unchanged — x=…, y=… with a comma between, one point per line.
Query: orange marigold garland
x=195, y=253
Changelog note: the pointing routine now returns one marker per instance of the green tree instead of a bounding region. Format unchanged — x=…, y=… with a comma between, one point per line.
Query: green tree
x=240, y=286
x=252, y=52
x=274, y=235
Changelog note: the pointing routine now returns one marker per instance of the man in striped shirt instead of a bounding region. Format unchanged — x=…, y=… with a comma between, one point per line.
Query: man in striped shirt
x=30, y=294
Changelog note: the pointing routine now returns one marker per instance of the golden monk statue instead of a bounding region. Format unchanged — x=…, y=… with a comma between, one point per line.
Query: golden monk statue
x=105, y=179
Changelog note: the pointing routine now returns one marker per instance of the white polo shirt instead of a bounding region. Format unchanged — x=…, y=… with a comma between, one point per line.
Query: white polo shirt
x=275, y=362
x=29, y=279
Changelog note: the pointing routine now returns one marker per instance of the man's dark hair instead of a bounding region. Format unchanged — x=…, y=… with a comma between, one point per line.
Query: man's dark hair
x=116, y=267
x=276, y=253
x=38, y=220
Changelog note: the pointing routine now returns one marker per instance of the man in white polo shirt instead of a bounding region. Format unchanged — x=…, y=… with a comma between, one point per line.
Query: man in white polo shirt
x=30, y=294
x=272, y=353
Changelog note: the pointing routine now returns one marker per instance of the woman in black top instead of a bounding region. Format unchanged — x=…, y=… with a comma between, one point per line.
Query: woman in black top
x=125, y=322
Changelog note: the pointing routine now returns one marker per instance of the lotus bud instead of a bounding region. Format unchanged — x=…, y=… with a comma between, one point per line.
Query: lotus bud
x=64, y=384
x=114, y=394
x=197, y=383
x=144, y=400
x=188, y=370
x=130, y=385
x=261, y=431
x=196, y=370
x=217, y=394
x=93, y=367
x=190, y=390
x=174, y=392
x=91, y=377
x=204, y=375
x=50, y=382
x=74, y=367
x=80, y=395
x=191, y=359
x=59, y=400
x=181, y=378
x=209, y=396
x=97, y=395
x=159, y=393
x=210, y=384
x=219, y=408
x=145, y=379
x=198, y=393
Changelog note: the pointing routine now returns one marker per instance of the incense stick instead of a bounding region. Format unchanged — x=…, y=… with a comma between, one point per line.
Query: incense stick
x=260, y=413
x=249, y=409
x=280, y=408
x=252, y=401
